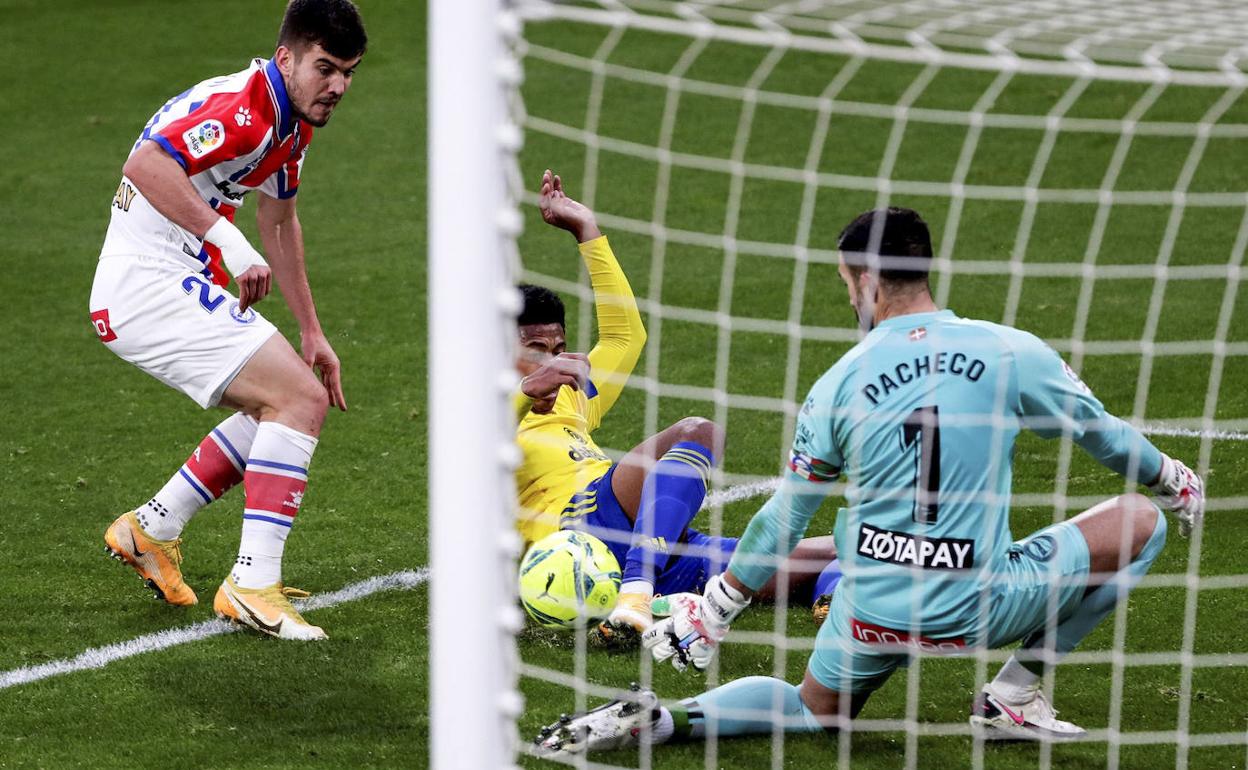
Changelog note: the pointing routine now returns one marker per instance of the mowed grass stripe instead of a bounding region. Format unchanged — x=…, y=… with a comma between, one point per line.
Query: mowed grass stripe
x=99, y=657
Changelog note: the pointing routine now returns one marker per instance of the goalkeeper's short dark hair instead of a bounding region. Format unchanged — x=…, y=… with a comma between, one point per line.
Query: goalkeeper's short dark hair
x=334, y=24
x=541, y=306
x=904, y=249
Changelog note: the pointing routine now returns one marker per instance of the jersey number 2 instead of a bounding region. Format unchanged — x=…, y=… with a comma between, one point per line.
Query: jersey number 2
x=208, y=302
x=921, y=430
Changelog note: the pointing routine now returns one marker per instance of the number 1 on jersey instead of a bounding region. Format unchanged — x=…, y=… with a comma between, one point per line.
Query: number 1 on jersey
x=921, y=430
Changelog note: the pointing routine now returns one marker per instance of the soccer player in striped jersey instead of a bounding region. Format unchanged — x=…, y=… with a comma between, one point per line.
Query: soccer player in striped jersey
x=159, y=302
x=921, y=416
x=641, y=506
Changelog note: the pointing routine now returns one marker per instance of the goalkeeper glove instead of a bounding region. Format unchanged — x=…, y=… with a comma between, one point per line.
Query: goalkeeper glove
x=1179, y=490
x=696, y=626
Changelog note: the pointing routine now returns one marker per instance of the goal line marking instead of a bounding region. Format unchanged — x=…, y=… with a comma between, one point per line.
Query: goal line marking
x=98, y=657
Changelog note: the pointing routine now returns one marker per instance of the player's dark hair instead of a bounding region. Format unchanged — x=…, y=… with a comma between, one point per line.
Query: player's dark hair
x=541, y=306
x=904, y=250
x=334, y=24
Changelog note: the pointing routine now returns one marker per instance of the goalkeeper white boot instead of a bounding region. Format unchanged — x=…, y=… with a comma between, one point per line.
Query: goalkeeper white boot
x=620, y=724
x=1033, y=720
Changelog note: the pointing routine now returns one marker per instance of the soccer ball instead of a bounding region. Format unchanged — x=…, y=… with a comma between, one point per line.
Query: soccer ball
x=567, y=578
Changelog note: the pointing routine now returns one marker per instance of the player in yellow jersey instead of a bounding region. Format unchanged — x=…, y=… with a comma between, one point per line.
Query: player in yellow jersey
x=642, y=505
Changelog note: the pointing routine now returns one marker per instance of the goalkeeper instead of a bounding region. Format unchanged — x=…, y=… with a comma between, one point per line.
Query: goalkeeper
x=641, y=506
x=922, y=416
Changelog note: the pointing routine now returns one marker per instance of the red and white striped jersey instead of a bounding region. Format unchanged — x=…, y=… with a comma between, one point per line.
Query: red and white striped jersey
x=232, y=134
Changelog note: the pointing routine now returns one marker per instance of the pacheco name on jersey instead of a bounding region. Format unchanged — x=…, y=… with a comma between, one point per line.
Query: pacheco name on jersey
x=915, y=551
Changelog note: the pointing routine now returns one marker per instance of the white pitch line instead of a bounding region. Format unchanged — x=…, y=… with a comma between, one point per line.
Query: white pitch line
x=99, y=657
x=1217, y=435
x=741, y=492
x=736, y=494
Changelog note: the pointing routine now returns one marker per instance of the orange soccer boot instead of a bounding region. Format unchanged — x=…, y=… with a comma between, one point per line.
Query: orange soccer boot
x=267, y=610
x=158, y=562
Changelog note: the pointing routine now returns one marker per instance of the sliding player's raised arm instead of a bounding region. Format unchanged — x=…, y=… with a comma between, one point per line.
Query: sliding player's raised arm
x=1053, y=401
x=621, y=334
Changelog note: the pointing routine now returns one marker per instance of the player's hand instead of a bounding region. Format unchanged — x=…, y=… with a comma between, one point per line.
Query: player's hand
x=563, y=212
x=249, y=269
x=696, y=626
x=571, y=369
x=318, y=354
x=1179, y=490
x=253, y=285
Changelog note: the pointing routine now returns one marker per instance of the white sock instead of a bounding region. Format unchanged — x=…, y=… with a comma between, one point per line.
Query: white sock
x=638, y=587
x=1015, y=683
x=213, y=468
x=275, y=480
x=663, y=728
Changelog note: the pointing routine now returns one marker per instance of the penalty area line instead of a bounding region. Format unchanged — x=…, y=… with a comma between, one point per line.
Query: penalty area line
x=99, y=657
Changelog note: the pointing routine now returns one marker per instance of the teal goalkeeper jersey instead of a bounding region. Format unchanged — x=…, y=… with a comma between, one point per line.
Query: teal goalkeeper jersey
x=922, y=416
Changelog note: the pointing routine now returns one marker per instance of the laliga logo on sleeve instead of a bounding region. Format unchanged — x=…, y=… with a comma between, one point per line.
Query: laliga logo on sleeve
x=204, y=138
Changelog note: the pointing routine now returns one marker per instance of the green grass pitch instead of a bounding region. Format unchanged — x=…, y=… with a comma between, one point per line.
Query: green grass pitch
x=706, y=125
x=87, y=436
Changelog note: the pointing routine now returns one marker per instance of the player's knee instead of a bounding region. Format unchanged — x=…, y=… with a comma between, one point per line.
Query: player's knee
x=1142, y=516
x=307, y=401
x=822, y=706
x=701, y=430
x=317, y=399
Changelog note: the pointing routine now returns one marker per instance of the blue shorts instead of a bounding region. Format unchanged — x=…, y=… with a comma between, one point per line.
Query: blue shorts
x=1040, y=579
x=694, y=560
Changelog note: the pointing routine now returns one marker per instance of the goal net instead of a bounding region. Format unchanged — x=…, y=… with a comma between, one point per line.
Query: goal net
x=1082, y=167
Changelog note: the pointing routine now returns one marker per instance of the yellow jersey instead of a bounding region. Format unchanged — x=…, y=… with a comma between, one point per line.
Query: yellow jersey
x=560, y=457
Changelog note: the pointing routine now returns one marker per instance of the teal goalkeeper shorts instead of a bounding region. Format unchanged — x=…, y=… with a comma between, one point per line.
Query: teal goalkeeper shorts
x=1040, y=577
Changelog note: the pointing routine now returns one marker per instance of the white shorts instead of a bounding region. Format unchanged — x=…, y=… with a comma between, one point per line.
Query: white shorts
x=174, y=324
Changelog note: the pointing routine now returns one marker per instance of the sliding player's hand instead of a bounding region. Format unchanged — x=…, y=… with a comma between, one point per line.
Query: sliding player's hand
x=1180, y=491
x=571, y=369
x=563, y=212
x=318, y=354
x=696, y=626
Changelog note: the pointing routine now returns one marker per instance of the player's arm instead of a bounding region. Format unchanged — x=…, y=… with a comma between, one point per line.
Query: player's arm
x=621, y=334
x=164, y=183
x=695, y=628
x=1054, y=401
x=539, y=389
x=282, y=236
x=160, y=174
x=778, y=526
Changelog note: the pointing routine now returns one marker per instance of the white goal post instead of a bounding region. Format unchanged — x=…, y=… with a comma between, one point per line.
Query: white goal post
x=473, y=222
